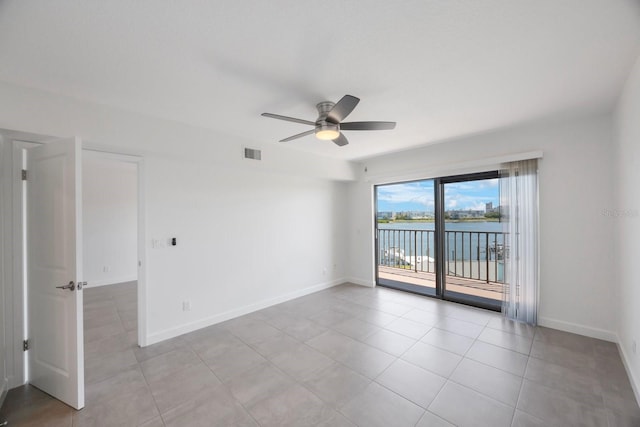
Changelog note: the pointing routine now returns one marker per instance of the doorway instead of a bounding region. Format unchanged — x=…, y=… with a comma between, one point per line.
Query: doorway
x=110, y=260
x=16, y=147
x=443, y=238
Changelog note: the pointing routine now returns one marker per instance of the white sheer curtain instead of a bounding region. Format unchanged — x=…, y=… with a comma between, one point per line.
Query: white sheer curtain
x=519, y=209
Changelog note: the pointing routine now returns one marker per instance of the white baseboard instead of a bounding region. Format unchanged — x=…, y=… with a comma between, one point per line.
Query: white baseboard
x=587, y=331
x=231, y=314
x=361, y=282
x=107, y=282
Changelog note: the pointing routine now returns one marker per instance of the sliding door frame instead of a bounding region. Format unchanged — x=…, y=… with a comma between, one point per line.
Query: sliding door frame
x=480, y=302
x=402, y=286
x=438, y=190
x=439, y=241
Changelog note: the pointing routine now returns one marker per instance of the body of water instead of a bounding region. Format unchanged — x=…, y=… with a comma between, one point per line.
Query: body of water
x=489, y=226
x=464, y=241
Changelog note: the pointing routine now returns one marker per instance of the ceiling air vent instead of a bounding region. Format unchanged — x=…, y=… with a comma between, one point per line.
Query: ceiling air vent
x=252, y=153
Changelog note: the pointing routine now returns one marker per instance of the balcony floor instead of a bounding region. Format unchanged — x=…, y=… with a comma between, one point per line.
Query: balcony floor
x=479, y=288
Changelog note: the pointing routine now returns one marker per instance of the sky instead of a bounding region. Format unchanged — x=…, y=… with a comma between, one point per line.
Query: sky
x=418, y=196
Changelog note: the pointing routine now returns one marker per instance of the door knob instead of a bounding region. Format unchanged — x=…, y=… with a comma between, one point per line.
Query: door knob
x=71, y=286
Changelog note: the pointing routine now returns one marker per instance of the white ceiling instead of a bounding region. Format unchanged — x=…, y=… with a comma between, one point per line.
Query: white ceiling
x=440, y=68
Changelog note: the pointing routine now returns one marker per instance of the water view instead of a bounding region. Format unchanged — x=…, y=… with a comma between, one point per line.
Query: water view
x=466, y=240
x=474, y=241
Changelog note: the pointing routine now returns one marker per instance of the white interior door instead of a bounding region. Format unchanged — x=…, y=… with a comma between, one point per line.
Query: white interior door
x=54, y=260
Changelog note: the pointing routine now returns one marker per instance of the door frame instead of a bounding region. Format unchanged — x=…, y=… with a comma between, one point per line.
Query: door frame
x=414, y=289
x=17, y=284
x=464, y=299
x=15, y=142
x=439, y=237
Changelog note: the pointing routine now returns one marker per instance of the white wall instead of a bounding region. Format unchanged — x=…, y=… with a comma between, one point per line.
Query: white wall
x=109, y=220
x=575, y=187
x=255, y=237
x=626, y=211
x=249, y=233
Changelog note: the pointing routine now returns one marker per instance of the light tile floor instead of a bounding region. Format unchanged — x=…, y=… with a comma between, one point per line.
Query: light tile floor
x=341, y=357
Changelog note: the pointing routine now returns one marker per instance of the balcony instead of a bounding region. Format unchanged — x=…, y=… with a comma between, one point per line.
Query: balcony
x=474, y=260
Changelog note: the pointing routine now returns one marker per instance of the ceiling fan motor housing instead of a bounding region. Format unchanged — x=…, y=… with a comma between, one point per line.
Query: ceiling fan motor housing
x=324, y=108
x=324, y=129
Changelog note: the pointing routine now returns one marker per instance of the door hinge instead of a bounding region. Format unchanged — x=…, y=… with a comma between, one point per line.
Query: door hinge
x=25, y=345
x=24, y=174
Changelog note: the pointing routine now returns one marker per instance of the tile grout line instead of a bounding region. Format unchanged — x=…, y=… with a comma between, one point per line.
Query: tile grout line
x=223, y=384
x=287, y=375
x=519, y=393
x=302, y=383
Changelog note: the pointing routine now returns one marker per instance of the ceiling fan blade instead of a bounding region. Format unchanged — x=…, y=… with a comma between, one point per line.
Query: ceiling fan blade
x=367, y=125
x=288, y=119
x=342, y=109
x=341, y=141
x=300, y=135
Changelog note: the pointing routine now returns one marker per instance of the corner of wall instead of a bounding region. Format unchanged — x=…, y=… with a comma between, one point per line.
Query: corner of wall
x=575, y=328
x=361, y=282
x=625, y=152
x=626, y=361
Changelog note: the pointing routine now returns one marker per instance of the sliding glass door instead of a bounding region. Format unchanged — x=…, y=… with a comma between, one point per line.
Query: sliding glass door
x=405, y=236
x=442, y=237
x=473, y=240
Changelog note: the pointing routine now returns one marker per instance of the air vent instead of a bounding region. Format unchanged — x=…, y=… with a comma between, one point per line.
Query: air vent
x=251, y=153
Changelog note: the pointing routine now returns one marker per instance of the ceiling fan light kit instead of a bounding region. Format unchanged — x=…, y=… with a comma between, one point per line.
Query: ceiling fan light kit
x=329, y=123
x=327, y=132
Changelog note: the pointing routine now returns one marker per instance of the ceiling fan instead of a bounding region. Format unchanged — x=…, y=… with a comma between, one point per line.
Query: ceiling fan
x=329, y=124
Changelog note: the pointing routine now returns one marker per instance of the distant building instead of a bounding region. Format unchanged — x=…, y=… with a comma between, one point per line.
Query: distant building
x=404, y=215
x=418, y=215
x=469, y=213
x=490, y=209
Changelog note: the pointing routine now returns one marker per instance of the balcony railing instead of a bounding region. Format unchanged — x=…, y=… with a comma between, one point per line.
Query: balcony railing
x=477, y=255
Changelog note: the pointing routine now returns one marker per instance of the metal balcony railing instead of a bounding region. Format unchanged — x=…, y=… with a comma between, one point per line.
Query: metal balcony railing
x=477, y=255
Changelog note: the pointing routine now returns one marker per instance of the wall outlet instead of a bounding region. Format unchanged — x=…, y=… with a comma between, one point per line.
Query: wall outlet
x=634, y=347
x=105, y=269
x=186, y=305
